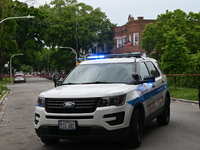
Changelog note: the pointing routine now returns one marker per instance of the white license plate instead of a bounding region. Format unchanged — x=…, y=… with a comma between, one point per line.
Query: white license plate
x=67, y=125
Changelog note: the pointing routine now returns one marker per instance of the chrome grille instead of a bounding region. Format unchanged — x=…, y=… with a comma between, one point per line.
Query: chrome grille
x=86, y=105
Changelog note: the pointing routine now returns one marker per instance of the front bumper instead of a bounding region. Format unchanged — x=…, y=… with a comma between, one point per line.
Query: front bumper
x=83, y=133
x=19, y=79
x=106, y=123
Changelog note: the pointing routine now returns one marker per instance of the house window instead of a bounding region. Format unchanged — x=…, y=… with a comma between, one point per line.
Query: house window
x=123, y=40
x=135, y=38
x=118, y=42
x=130, y=39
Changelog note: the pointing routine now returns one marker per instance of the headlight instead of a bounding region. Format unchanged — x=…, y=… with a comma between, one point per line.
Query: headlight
x=41, y=102
x=112, y=101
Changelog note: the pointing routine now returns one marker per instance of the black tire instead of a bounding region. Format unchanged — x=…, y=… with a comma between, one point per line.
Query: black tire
x=50, y=141
x=164, y=117
x=136, y=128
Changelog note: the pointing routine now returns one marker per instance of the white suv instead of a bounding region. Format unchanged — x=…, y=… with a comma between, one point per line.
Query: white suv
x=107, y=99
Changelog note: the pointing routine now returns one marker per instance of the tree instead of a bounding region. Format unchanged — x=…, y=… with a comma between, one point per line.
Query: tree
x=7, y=30
x=75, y=25
x=174, y=41
x=62, y=23
x=195, y=82
x=21, y=35
x=175, y=59
x=62, y=60
x=30, y=34
x=182, y=23
x=72, y=24
x=149, y=38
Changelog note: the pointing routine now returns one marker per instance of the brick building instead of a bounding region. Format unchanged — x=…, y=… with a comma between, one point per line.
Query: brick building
x=128, y=37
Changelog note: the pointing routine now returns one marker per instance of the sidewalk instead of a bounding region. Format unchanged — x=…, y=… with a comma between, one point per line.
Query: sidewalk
x=2, y=102
x=3, y=98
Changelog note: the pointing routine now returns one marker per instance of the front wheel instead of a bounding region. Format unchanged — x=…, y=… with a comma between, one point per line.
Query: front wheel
x=49, y=141
x=164, y=117
x=136, y=127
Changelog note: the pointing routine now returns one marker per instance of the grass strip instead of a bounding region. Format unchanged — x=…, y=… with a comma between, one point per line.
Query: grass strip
x=184, y=93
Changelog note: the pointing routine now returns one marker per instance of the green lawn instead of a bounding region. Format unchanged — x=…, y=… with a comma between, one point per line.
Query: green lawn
x=184, y=93
x=3, y=88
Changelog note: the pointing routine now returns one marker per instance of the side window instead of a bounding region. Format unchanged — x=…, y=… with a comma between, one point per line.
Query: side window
x=143, y=70
x=152, y=69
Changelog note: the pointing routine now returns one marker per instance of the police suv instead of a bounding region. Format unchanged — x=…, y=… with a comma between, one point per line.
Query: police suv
x=107, y=98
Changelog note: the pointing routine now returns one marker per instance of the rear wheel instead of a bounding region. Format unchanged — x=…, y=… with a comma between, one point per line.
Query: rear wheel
x=50, y=141
x=164, y=118
x=136, y=127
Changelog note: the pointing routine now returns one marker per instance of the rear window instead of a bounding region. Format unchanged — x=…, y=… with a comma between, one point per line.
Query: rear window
x=19, y=75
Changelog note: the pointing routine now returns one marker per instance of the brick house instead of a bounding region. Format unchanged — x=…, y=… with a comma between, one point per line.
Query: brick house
x=128, y=37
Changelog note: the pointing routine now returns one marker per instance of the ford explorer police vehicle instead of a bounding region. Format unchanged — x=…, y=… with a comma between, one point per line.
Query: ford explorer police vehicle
x=107, y=98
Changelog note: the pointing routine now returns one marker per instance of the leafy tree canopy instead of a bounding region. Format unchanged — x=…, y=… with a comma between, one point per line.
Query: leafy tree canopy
x=155, y=41
x=76, y=25
x=21, y=35
x=175, y=59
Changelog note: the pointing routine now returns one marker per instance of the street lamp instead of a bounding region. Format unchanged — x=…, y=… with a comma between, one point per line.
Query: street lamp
x=16, y=18
x=11, y=63
x=73, y=50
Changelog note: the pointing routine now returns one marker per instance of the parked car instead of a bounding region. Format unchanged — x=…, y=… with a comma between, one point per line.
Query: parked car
x=19, y=78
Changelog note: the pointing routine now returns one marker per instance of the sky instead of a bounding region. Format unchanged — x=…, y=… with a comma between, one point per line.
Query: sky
x=118, y=10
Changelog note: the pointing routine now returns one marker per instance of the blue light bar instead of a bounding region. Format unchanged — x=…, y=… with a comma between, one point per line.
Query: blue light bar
x=80, y=58
x=96, y=57
x=125, y=55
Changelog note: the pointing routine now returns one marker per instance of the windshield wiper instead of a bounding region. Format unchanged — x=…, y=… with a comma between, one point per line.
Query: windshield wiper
x=70, y=83
x=97, y=82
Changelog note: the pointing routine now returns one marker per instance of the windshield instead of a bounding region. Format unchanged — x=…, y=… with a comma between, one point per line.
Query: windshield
x=101, y=73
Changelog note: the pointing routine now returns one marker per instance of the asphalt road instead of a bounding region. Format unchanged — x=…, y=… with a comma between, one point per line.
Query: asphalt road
x=17, y=129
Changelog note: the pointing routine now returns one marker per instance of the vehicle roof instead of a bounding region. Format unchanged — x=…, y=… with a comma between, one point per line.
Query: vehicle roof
x=19, y=74
x=117, y=60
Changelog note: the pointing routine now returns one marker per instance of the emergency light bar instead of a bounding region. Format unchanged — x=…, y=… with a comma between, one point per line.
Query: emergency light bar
x=96, y=57
x=125, y=55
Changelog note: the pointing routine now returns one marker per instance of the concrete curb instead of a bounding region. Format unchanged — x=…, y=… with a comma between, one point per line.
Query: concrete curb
x=184, y=100
x=3, y=104
x=3, y=98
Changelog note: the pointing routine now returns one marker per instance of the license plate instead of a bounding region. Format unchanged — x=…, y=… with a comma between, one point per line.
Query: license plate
x=67, y=125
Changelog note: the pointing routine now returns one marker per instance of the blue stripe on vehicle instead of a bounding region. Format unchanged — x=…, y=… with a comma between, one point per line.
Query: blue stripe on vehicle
x=147, y=96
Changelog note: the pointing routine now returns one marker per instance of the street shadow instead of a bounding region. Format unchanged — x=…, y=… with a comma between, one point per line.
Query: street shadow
x=99, y=145
x=85, y=145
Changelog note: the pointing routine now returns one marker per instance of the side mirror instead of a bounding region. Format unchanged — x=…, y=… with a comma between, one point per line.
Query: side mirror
x=136, y=77
x=148, y=79
x=56, y=78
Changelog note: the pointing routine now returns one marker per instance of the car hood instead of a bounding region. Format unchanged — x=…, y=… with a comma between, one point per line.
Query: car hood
x=89, y=90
